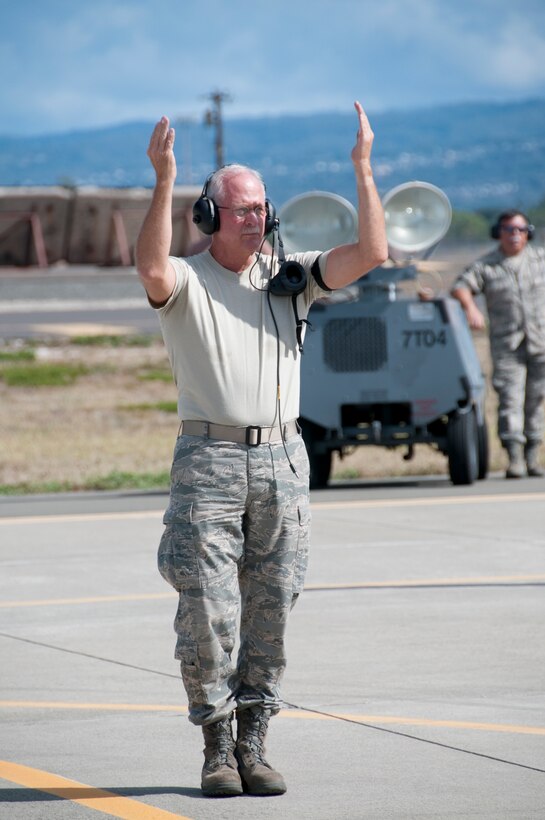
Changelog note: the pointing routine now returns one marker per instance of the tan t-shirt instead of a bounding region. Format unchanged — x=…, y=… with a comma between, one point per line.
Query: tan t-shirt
x=221, y=340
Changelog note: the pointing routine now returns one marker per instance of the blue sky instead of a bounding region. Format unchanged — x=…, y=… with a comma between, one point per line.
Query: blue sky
x=75, y=65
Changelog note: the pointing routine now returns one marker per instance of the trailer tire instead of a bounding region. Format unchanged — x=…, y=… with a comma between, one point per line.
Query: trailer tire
x=482, y=450
x=462, y=444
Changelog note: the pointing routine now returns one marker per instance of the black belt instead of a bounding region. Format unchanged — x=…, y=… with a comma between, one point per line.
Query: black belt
x=242, y=435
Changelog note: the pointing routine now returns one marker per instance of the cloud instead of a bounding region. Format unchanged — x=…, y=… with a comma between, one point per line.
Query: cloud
x=516, y=60
x=77, y=65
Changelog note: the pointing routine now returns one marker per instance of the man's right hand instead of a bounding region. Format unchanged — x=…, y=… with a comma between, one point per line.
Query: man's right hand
x=475, y=318
x=161, y=151
x=155, y=236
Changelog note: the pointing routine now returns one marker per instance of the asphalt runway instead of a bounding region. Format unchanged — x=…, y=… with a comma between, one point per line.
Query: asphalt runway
x=416, y=670
x=73, y=301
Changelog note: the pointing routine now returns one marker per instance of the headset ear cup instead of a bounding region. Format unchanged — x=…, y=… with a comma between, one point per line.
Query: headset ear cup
x=270, y=217
x=531, y=231
x=206, y=215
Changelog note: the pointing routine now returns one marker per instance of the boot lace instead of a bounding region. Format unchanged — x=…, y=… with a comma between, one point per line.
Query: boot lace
x=220, y=744
x=255, y=731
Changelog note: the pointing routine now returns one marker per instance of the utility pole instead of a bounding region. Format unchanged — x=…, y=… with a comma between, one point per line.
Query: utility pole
x=213, y=116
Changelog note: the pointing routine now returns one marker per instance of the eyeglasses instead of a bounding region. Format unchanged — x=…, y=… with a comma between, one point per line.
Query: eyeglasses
x=240, y=213
x=514, y=229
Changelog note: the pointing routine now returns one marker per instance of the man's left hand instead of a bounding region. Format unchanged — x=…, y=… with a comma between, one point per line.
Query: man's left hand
x=361, y=152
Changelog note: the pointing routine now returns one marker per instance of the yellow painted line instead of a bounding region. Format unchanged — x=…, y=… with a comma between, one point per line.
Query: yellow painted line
x=317, y=505
x=432, y=582
x=300, y=714
x=76, y=517
x=429, y=502
x=403, y=582
x=98, y=799
x=93, y=707
x=96, y=599
x=410, y=721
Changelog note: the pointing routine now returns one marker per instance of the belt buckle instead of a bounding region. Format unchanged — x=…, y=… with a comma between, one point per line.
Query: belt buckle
x=250, y=437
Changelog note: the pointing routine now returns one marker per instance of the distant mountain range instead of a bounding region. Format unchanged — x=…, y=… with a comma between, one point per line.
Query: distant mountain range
x=483, y=155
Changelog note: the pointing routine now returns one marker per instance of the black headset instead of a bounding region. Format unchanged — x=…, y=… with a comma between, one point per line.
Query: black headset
x=206, y=214
x=291, y=279
x=495, y=230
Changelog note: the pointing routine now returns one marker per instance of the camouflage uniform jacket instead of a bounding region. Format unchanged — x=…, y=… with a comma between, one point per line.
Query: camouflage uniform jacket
x=514, y=290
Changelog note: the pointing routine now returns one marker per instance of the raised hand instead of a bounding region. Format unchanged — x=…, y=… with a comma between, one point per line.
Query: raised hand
x=161, y=151
x=361, y=152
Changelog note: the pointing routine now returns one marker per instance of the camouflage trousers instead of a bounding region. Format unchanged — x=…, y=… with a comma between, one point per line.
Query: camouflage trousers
x=519, y=380
x=235, y=547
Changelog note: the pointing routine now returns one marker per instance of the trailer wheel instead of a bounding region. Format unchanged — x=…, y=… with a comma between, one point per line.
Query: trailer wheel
x=482, y=450
x=320, y=463
x=462, y=448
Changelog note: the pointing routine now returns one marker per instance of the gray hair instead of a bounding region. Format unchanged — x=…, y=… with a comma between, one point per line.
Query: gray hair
x=216, y=183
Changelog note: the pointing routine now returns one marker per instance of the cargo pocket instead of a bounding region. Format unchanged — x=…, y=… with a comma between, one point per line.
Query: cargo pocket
x=176, y=559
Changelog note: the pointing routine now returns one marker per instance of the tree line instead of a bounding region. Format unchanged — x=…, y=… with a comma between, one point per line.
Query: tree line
x=474, y=226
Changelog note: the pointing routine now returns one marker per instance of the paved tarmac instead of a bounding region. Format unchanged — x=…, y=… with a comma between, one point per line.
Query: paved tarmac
x=70, y=300
x=65, y=301
x=416, y=661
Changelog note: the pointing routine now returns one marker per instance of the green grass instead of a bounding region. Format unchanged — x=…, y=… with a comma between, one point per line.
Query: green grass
x=17, y=356
x=129, y=481
x=347, y=473
x=38, y=374
x=164, y=406
x=156, y=374
x=113, y=481
x=113, y=340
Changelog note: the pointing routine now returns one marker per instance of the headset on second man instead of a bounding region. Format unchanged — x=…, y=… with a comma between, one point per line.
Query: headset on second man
x=496, y=228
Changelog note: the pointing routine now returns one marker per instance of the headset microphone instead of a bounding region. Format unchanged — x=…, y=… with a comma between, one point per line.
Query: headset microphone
x=291, y=280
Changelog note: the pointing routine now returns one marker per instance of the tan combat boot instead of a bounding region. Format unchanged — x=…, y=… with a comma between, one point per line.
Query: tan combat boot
x=258, y=776
x=220, y=777
x=516, y=467
x=531, y=453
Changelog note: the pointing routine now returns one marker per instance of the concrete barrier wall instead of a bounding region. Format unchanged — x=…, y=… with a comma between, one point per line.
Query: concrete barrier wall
x=48, y=209
x=87, y=225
